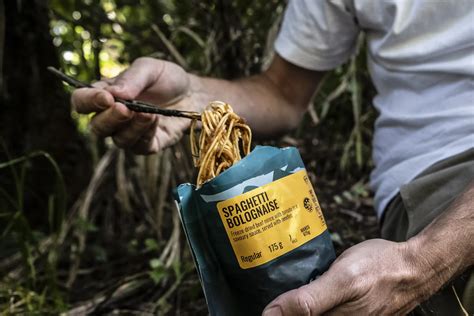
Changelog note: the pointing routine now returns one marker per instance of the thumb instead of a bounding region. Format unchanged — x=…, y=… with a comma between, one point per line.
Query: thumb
x=142, y=74
x=315, y=298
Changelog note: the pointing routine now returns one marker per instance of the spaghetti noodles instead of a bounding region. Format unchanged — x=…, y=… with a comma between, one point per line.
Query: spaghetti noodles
x=224, y=135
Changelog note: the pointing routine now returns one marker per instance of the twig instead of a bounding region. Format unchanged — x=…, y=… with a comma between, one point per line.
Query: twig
x=81, y=234
x=464, y=311
x=136, y=106
x=171, y=48
x=358, y=217
x=162, y=300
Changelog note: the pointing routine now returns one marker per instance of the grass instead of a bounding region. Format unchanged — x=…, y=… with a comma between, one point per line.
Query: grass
x=102, y=251
x=29, y=272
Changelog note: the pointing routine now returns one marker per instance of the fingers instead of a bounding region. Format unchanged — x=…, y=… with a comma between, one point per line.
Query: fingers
x=102, y=83
x=148, y=143
x=128, y=85
x=140, y=129
x=128, y=129
x=111, y=120
x=89, y=100
x=315, y=298
x=141, y=74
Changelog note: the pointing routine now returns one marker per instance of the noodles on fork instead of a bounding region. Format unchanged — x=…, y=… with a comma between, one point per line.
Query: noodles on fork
x=223, y=136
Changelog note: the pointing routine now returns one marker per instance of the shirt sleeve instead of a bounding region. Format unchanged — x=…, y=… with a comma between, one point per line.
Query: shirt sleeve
x=317, y=34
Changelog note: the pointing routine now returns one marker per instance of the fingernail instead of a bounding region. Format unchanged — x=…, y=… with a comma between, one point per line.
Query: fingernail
x=273, y=311
x=104, y=100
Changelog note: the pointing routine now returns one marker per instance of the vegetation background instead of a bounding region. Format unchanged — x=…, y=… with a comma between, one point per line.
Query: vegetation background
x=86, y=228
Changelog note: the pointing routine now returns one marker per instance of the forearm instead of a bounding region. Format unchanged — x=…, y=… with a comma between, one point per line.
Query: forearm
x=272, y=102
x=255, y=98
x=445, y=248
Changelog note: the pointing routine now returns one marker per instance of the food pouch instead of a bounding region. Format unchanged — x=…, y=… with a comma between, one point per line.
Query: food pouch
x=255, y=231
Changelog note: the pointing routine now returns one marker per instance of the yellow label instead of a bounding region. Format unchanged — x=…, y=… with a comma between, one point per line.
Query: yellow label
x=271, y=220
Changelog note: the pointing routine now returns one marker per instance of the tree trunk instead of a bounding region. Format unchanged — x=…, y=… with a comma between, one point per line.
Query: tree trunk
x=34, y=108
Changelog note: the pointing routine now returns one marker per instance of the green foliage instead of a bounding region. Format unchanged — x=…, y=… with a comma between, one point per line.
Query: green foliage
x=344, y=105
x=101, y=38
x=227, y=39
x=158, y=270
x=25, y=289
x=151, y=245
x=18, y=300
x=122, y=237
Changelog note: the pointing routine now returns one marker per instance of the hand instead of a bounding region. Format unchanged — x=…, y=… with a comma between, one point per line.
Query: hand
x=150, y=80
x=375, y=277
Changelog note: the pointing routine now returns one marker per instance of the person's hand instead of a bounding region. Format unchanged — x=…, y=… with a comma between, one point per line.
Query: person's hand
x=150, y=80
x=375, y=277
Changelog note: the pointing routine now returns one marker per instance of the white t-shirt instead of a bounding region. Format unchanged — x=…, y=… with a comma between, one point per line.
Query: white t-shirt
x=421, y=59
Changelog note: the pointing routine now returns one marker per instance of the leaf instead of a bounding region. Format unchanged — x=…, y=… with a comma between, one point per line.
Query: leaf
x=337, y=199
x=158, y=271
x=151, y=244
x=156, y=263
x=85, y=225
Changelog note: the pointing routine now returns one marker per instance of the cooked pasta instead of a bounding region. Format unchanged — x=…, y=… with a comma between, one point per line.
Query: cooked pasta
x=224, y=135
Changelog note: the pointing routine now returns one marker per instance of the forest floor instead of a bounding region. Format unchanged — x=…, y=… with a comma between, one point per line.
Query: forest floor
x=125, y=268
x=347, y=206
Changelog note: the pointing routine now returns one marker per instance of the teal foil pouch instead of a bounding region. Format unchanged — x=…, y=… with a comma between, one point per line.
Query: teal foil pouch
x=255, y=231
